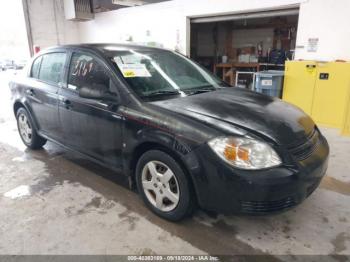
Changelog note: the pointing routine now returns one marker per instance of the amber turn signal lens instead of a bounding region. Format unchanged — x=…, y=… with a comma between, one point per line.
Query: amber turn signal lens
x=243, y=154
x=230, y=152
x=233, y=153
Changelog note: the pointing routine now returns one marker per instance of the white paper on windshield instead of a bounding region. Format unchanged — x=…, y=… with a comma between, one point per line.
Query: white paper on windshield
x=134, y=70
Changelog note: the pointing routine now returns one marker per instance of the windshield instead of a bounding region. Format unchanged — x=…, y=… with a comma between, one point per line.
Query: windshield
x=152, y=73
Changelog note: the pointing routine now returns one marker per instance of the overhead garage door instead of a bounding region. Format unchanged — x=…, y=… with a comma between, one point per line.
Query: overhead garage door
x=251, y=15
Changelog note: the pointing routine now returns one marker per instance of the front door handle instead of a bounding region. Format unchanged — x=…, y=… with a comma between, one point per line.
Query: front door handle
x=30, y=92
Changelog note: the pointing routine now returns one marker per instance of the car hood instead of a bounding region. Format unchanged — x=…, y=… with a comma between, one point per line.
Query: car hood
x=271, y=117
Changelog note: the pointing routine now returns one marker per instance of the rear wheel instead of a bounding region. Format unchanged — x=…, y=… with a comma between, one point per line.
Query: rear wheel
x=164, y=186
x=27, y=130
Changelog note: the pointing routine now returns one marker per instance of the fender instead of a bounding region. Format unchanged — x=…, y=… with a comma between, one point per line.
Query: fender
x=157, y=128
x=151, y=139
x=151, y=135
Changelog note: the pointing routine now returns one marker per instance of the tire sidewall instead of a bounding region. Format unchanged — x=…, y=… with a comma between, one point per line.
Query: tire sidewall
x=184, y=205
x=34, y=143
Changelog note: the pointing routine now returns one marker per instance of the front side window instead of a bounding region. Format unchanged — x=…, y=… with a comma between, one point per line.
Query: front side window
x=52, y=66
x=86, y=71
x=154, y=72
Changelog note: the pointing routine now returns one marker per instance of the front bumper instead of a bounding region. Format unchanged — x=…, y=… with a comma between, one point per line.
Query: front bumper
x=224, y=189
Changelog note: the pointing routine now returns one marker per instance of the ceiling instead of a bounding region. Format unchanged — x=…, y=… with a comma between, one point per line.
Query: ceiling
x=108, y=5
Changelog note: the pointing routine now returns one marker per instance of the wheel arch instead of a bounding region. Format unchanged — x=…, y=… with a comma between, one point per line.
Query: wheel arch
x=19, y=104
x=147, y=146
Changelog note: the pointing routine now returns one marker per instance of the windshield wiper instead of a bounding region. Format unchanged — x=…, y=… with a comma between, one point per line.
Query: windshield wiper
x=162, y=93
x=198, y=91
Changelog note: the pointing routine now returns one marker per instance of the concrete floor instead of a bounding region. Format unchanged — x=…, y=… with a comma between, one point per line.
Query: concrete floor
x=53, y=202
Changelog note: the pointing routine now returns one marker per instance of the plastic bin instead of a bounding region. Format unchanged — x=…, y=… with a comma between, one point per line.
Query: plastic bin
x=269, y=82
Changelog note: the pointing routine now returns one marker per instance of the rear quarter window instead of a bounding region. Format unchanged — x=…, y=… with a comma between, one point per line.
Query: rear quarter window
x=34, y=72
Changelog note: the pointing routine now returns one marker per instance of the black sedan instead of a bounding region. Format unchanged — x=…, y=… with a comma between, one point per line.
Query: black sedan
x=180, y=134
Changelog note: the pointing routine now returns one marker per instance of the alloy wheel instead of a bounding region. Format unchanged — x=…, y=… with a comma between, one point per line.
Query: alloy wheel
x=25, y=128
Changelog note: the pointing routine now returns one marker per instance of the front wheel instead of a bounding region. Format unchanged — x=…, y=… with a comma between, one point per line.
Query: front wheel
x=27, y=130
x=163, y=185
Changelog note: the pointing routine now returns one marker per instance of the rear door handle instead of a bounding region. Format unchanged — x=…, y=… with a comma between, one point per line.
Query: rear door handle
x=67, y=103
x=30, y=92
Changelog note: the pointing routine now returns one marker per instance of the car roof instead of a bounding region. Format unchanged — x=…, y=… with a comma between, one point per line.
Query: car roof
x=105, y=47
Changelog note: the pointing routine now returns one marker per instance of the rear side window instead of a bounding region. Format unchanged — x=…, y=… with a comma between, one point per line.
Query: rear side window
x=52, y=67
x=35, y=68
x=86, y=71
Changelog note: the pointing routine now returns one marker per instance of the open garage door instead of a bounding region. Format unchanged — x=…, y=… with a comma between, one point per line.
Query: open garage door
x=252, y=15
x=235, y=46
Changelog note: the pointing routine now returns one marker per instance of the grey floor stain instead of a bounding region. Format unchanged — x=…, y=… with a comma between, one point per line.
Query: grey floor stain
x=95, y=202
x=131, y=220
x=339, y=242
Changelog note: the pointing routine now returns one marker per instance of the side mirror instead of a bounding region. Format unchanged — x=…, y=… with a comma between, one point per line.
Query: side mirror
x=99, y=93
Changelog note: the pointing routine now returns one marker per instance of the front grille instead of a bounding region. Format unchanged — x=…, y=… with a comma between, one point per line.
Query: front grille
x=267, y=206
x=304, y=150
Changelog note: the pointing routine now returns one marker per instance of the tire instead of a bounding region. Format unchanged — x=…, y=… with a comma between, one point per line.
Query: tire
x=177, y=188
x=27, y=130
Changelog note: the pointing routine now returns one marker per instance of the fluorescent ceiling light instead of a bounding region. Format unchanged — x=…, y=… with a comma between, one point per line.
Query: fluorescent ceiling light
x=128, y=2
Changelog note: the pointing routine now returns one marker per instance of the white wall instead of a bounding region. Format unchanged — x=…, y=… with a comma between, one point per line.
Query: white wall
x=48, y=24
x=160, y=23
x=166, y=22
x=329, y=21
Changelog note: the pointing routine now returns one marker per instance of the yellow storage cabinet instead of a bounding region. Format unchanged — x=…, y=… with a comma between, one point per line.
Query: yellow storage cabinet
x=346, y=125
x=299, y=84
x=320, y=89
x=331, y=94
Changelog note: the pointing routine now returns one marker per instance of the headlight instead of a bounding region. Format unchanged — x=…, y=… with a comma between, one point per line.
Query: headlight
x=245, y=153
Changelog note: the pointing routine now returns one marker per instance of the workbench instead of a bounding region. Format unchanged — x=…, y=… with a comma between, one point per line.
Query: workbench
x=229, y=69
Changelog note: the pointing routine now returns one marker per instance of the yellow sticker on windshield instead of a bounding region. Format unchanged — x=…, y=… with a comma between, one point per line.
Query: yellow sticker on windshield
x=129, y=74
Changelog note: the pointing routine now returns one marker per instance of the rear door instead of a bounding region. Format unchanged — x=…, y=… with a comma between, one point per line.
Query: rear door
x=42, y=91
x=91, y=126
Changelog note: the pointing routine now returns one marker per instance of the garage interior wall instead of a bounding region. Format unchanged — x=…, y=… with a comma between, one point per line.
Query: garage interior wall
x=327, y=20
x=156, y=24
x=205, y=38
x=48, y=24
x=165, y=24
x=244, y=33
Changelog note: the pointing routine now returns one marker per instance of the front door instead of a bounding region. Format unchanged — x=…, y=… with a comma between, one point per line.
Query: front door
x=91, y=126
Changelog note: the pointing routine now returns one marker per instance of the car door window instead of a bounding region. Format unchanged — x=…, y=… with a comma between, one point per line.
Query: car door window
x=86, y=71
x=34, y=73
x=52, y=67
